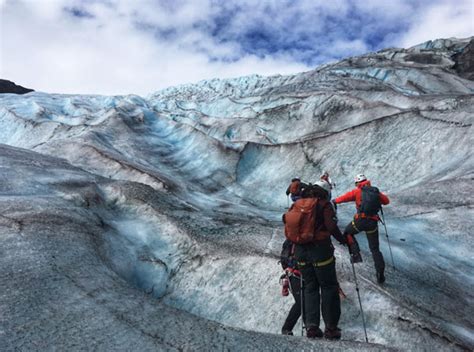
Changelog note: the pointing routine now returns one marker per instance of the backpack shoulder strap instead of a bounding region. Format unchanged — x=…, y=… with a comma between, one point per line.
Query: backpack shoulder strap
x=319, y=213
x=292, y=250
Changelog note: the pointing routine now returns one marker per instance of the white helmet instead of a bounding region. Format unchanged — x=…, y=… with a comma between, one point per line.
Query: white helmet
x=360, y=178
x=324, y=185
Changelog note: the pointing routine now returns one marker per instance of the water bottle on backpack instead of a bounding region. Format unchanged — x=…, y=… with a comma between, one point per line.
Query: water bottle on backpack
x=285, y=285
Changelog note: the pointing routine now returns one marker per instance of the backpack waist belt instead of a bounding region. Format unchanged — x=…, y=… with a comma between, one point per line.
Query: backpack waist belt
x=318, y=264
x=365, y=216
x=368, y=232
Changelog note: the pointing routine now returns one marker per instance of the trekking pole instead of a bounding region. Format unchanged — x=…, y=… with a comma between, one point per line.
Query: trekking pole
x=303, y=324
x=388, y=241
x=360, y=302
x=302, y=304
x=335, y=191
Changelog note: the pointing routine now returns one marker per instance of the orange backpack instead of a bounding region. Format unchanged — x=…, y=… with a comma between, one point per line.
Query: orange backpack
x=300, y=221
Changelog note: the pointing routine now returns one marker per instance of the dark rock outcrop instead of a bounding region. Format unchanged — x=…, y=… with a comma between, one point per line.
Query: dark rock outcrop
x=465, y=61
x=10, y=87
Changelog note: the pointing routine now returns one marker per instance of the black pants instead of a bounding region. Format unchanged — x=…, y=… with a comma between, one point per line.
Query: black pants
x=371, y=229
x=295, y=310
x=321, y=295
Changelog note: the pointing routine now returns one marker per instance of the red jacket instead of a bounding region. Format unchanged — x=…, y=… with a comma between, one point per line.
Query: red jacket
x=356, y=196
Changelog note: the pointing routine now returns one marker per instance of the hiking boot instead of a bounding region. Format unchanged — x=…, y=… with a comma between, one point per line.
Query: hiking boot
x=314, y=333
x=287, y=332
x=332, y=333
x=380, y=277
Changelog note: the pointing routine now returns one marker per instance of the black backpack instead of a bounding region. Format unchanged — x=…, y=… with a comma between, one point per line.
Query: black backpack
x=370, y=203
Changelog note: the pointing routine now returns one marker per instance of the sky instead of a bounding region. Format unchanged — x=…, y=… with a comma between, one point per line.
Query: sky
x=115, y=47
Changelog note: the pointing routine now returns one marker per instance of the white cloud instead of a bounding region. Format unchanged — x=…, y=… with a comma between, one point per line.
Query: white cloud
x=47, y=51
x=445, y=20
x=117, y=51
x=170, y=13
x=348, y=47
x=387, y=9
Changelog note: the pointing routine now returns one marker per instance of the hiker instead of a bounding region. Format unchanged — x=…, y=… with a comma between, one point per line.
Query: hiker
x=368, y=201
x=325, y=177
x=295, y=188
x=314, y=256
x=293, y=285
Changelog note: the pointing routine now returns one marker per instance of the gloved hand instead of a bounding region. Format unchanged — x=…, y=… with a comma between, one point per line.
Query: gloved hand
x=354, y=249
x=349, y=238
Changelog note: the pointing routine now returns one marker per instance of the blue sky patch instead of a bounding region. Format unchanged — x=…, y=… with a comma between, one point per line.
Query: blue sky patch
x=78, y=12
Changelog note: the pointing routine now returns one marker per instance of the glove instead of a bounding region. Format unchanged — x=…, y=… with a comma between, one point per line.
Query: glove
x=354, y=249
x=349, y=239
x=341, y=239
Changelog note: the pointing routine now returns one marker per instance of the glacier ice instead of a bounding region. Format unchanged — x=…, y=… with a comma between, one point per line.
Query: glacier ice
x=154, y=222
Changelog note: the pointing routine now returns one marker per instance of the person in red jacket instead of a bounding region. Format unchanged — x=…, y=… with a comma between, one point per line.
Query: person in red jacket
x=366, y=219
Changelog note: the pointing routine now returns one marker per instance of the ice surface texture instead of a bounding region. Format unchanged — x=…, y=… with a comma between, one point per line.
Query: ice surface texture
x=123, y=215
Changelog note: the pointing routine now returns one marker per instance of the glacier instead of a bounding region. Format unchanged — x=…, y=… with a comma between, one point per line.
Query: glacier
x=154, y=222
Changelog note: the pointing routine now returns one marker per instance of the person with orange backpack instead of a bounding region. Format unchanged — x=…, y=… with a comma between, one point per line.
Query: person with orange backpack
x=309, y=224
x=291, y=281
x=369, y=201
x=295, y=188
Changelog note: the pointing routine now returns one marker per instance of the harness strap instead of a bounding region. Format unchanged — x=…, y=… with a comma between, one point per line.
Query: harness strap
x=292, y=250
x=365, y=216
x=354, y=226
x=367, y=232
x=292, y=272
x=318, y=264
x=324, y=263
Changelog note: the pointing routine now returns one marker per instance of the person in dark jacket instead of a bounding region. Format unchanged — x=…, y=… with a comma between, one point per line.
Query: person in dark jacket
x=365, y=222
x=295, y=188
x=288, y=264
x=316, y=262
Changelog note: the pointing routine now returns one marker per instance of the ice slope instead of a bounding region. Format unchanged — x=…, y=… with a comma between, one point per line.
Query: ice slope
x=188, y=189
x=59, y=290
